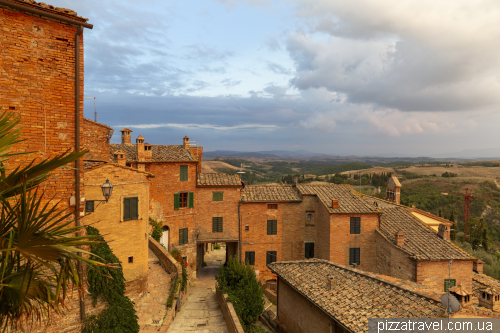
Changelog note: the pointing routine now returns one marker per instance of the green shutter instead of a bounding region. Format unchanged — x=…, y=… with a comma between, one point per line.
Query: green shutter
x=191, y=199
x=186, y=235
x=214, y=224
x=218, y=196
x=275, y=227
x=269, y=227
x=176, y=200
x=126, y=209
x=181, y=236
x=134, y=208
x=219, y=226
x=183, y=173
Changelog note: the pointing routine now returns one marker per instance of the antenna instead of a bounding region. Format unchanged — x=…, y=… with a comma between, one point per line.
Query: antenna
x=95, y=111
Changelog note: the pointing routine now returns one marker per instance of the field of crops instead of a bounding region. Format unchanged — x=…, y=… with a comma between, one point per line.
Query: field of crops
x=475, y=171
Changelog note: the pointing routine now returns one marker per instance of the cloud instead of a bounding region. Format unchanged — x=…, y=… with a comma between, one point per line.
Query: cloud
x=203, y=126
x=419, y=55
x=228, y=83
x=277, y=68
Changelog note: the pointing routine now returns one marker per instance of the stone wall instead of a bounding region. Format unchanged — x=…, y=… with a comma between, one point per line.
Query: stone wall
x=393, y=261
x=167, y=261
x=96, y=140
x=37, y=64
x=232, y=321
x=127, y=239
x=322, y=222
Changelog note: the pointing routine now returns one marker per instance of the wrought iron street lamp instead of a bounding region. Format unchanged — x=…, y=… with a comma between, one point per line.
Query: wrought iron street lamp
x=107, y=190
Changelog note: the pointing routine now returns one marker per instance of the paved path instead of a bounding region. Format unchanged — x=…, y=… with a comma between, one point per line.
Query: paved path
x=152, y=307
x=201, y=312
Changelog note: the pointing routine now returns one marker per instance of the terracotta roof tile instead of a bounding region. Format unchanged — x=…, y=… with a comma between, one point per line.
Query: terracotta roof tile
x=218, y=179
x=420, y=241
x=482, y=282
x=161, y=153
x=350, y=201
x=356, y=295
x=50, y=8
x=271, y=193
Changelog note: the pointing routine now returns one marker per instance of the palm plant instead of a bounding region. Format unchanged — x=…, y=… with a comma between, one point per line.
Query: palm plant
x=38, y=246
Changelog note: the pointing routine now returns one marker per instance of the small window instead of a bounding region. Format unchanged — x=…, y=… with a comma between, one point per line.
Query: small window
x=130, y=260
x=272, y=206
x=449, y=283
x=250, y=257
x=183, y=173
x=129, y=165
x=484, y=295
x=130, y=209
x=309, y=217
x=272, y=227
x=247, y=228
x=183, y=200
x=218, y=196
x=271, y=256
x=355, y=225
x=89, y=206
x=309, y=247
x=354, y=256
x=217, y=224
x=183, y=236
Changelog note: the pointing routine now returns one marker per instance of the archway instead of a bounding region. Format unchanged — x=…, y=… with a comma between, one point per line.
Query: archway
x=164, y=236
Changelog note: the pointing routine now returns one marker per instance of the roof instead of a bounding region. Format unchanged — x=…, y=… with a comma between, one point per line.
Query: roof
x=92, y=165
x=460, y=290
x=482, y=282
x=396, y=181
x=50, y=8
x=218, y=179
x=270, y=193
x=98, y=124
x=161, y=153
x=356, y=295
x=420, y=241
x=350, y=201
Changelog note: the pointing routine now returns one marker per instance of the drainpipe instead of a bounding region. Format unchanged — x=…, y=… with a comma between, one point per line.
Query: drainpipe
x=77, y=162
x=239, y=230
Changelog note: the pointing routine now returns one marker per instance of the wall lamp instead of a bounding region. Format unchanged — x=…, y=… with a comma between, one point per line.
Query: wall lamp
x=107, y=190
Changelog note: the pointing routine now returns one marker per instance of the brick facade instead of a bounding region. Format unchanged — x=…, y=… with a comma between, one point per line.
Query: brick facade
x=433, y=273
x=393, y=261
x=37, y=83
x=95, y=140
x=127, y=239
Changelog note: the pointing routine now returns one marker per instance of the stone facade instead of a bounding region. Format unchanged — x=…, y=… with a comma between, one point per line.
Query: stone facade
x=393, y=261
x=95, y=140
x=433, y=273
x=128, y=239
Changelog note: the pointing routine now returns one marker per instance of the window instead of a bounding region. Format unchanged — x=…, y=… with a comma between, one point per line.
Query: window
x=218, y=196
x=309, y=217
x=247, y=228
x=309, y=250
x=272, y=206
x=449, y=283
x=271, y=256
x=355, y=225
x=272, y=227
x=183, y=173
x=216, y=224
x=89, y=206
x=354, y=256
x=130, y=209
x=183, y=236
x=183, y=200
x=129, y=165
x=250, y=257
x=130, y=260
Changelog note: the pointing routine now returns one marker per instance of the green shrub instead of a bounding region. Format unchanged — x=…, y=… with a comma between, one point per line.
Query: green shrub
x=217, y=246
x=244, y=291
x=109, y=284
x=157, y=231
x=178, y=256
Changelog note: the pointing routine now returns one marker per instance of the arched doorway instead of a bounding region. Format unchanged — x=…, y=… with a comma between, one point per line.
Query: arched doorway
x=164, y=236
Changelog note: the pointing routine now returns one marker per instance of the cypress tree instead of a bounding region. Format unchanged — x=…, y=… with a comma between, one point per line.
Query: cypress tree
x=440, y=213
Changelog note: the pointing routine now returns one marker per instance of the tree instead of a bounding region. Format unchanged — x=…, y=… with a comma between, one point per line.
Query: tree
x=478, y=233
x=38, y=254
x=440, y=213
x=453, y=232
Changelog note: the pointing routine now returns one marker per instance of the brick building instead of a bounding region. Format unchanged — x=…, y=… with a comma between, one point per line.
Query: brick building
x=321, y=296
x=393, y=190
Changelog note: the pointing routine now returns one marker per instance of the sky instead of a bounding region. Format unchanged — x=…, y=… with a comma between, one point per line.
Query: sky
x=343, y=77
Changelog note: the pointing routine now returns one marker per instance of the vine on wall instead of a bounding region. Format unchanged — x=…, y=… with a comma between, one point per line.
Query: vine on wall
x=109, y=284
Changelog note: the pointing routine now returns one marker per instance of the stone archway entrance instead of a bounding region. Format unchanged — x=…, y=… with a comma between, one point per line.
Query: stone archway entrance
x=164, y=237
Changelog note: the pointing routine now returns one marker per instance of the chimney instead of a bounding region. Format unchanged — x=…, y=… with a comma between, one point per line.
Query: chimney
x=148, y=151
x=185, y=142
x=126, y=136
x=121, y=158
x=140, y=148
x=335, y=203
x=400, y=238
x=477, y=266
x=444, y=231
x=330, y=283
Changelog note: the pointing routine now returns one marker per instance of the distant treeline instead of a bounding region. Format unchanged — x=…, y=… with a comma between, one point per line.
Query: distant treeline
x=482, y=163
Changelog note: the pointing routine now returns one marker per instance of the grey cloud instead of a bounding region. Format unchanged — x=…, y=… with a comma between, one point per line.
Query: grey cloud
x=228, y=83
x=277, y=68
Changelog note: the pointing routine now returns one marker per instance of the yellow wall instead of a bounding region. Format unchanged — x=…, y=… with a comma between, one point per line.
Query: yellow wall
x=434, y=224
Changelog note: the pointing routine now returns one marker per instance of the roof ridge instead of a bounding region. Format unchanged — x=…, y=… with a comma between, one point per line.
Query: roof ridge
x=96, y=123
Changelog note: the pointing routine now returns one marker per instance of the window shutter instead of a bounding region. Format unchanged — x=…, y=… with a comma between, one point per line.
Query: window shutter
x=269, y=227
x=252, y=258
x=358, y=225
x=183, y=173
x=214, y=224
x=352, y=226
x=218, y=196
x=311, y=252
x=176, y=200
x=219, y=226
x=186, y=234
x=275, y=227
x=181, y=236
x=191, y=199
x=134, y=208
x=126, y=209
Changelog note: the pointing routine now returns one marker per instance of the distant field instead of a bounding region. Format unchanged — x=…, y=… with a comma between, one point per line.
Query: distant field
x=209, y=166
x=475, y=171
x=368, y=171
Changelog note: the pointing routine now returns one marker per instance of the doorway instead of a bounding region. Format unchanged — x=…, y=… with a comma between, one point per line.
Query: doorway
x=164, y=236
